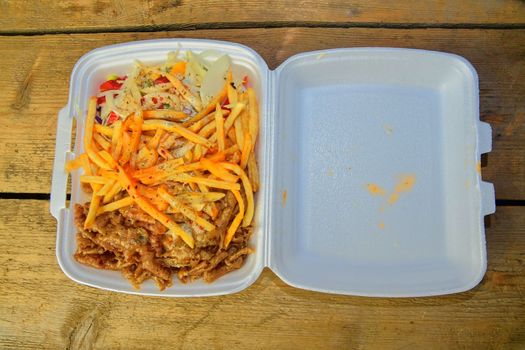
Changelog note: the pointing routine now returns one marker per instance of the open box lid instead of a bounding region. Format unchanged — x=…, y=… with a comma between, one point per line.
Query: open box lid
x=369, y=165
x=375, y=181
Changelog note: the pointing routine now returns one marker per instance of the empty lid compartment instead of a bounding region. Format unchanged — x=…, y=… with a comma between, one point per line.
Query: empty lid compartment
x=375, y=187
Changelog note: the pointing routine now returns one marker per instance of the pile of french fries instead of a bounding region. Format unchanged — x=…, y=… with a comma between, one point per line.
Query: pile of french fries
x=126, y=160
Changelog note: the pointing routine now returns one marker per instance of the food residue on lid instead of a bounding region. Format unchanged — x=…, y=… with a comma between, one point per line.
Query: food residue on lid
x=478, y=167
x=375, y=190
x=405, y=184
x=330, y=172
x=284, y=196
x=388, y=129
x=381, y=225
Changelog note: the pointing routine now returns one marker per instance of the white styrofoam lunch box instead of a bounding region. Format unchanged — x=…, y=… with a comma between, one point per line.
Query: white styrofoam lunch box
x=369, y=161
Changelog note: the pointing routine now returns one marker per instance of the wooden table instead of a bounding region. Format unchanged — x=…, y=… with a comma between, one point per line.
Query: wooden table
x=41, y=308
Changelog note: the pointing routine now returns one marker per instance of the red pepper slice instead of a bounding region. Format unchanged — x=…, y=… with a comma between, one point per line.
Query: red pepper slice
x=113, y=117
x=224, y=103
x=110, y=85
x=101, y=100
x=161, y=80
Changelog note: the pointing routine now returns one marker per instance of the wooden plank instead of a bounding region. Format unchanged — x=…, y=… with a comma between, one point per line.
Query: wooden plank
x=86, y=15
x=35, y=86
x=41, y=308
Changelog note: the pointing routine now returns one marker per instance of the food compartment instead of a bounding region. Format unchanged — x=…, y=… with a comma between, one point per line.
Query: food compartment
x=88, y=73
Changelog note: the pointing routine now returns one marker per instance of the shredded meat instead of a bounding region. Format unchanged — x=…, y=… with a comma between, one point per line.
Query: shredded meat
x=131, y=241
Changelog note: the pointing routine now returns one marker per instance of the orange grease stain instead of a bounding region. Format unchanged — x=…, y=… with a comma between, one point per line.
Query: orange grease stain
x=405, y=184
x=381, y=225
x=478, y=167
x=375, y=190
x=284, y=197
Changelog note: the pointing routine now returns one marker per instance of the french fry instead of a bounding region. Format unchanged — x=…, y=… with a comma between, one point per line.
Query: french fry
x=211, y=106
x=92, y=179
x=239, y=133
x=253, y=172
x=235, y=157
x=254, y=116
x=247, y=138
x=167, y=114
x=121, y=203
x=247, y=189
x=185, y=210
x=232, y=95
x=127, y=183
x=231, y=135
x=101, y=141
x=245, y=120
x=197, y=126
x=176, y=128
x=236, y=221
x=88, y=135
x=199, y=197
x=184, y=178
x=203, y=188
x=156, y=176
x=108, y=158
x=219, y=121
x=90, y=122
x=246, y=150
x=104, y=189
x=135, y=136
x=232, y=149
x=95, y=158
x=104, y=130
x=116, y=140
x=196, y=207
x=116, y=188
x=188, y=156
x=108, y=174
x=86, y=166
x=73, y=164
x=93, y=208
x=197, y=154
x=125, y=154
x=166, y=166
x=233, y=115
x=208, y=130
x=217, y=170
x=217, y=157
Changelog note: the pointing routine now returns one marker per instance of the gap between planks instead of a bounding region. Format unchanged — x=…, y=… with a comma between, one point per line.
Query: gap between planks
x=259, y=25
x=46, y=196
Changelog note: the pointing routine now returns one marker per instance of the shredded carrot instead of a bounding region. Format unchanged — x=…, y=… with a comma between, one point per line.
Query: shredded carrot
x=178, y=68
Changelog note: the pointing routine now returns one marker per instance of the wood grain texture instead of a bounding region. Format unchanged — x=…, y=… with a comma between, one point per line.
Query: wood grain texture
x=35, y=86
x=40, y=308
x=104, y=15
